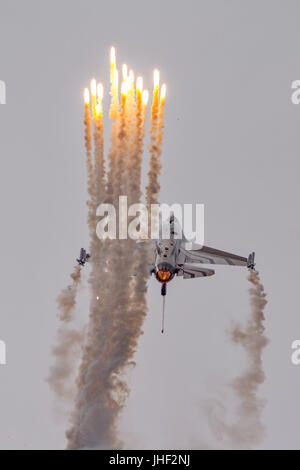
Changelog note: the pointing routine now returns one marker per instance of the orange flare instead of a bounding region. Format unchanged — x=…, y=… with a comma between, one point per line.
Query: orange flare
x=124, y=71
x=156, y=78
x=124, y=88
x=131, y=77
x=93, y=87
x=163, y=91
x=100, y=91
x=112, y=55
x=145, y=97
x=139, y=84
x=98, y=109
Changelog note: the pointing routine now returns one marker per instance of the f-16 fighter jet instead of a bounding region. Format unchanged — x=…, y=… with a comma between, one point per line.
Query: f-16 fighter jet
x=172, y=258
x=83, y=257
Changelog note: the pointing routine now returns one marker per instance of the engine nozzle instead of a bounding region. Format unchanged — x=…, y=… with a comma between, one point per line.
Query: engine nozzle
x=163, y=275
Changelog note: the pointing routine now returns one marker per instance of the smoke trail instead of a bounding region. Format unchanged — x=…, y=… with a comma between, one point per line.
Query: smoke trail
x=115, y=343
x=118, y=305
x=96, y=408
x=160, y=125
x=135, y=164
x=132, y=132
x=68, y=343
x=97, y=282
x=68, y=346
x=114, y=116
x=153, y=187
x=90, y=168
x=138, y=294
x=248, y=430
x=67, y=298
x=69, y=340
x=100, y=184
x=123, y=144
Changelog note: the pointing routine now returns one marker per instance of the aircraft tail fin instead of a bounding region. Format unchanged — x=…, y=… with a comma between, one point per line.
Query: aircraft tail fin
x=250, y=261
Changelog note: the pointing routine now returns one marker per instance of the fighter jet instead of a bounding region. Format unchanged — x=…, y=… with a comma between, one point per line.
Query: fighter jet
x=83, y=257
x=173, y=258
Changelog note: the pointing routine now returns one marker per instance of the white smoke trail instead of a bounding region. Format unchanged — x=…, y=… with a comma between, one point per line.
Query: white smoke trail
x=248, y=429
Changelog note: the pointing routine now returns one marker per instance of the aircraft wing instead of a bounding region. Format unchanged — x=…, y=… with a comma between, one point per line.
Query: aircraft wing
x=190, y=271
x=207, y=255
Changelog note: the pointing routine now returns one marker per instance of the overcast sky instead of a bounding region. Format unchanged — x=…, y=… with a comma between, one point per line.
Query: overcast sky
x=231, y=142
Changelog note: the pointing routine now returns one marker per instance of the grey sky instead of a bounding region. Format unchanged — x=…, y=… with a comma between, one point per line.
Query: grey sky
x=231, y=142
